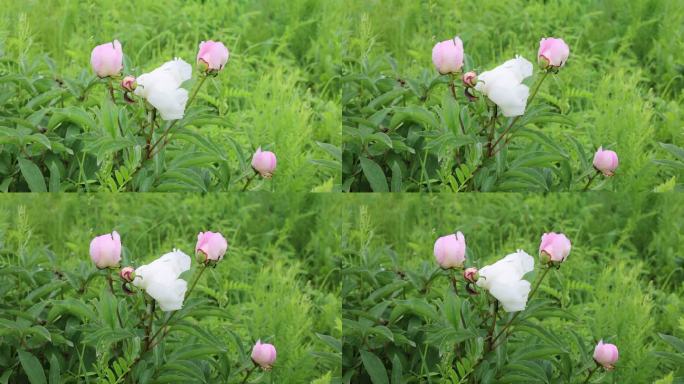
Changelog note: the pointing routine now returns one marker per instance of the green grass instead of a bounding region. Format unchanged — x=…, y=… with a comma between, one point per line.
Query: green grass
x=277, y=281
x=623, y=280
x=275, y=92
x=622, y=85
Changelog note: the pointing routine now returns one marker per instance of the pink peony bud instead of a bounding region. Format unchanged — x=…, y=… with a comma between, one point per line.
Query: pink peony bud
x=553, y=52
x=127, y=273
x=469, y=79
x=606, y=161
x=450, y=251
x=447, y=56
x=128, y=83
x=212, y=244
x=105, y=250
x=606, y=355
x=471, y=274
x=556, y=246
x=264, y=162
x=213, y=54
x=107, y=59
x=264, y=355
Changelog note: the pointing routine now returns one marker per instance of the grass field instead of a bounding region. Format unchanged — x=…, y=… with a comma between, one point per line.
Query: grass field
x=275, y=92
x=623, y=282
x=621, y=87
x=277, y=282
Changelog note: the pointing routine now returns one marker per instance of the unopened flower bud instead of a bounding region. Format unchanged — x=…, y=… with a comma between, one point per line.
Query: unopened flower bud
x=553, y=52
x=127, y=273
x=264, y=162
x=447, y=56
x=469, y=79
x=606, y=161
x=107, y=59
x=211, y=246
x=128, y=83
x=554, y=247
x=606, y=355
x=212, y=56
x=264, y=355
x=450, y=251
x=105, y=250
x=471, y=275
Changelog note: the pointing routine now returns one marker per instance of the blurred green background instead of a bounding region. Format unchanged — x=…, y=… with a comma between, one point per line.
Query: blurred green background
x=623, y=280
x=277, y=282
x=622, y=84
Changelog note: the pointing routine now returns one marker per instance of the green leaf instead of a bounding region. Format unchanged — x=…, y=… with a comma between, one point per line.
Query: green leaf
x=396, y=177
x=376, y=370
x=32, y=175
x=374, y=175
x=54, y=370
x=32, y=367
x=675, y=342
x=332, y=342
x=54, y=177
x=397, y=374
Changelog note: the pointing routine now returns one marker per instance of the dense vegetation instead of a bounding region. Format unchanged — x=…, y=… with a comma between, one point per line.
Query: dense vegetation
x=622, y=282
x=621, y=88
x=277, y=283
x=59, y=131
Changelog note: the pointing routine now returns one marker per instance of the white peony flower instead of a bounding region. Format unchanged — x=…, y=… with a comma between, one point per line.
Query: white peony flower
x=160, y=279
x=504, y=280
x=503, y=85
x=162, y=88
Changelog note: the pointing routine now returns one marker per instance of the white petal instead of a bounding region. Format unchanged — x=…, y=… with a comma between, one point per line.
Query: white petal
x=160, y=279
x=504, y=280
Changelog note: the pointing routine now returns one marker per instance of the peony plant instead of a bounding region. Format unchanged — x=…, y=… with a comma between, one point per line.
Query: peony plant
x=403, y=134
x=163, y=286
x=468, y=324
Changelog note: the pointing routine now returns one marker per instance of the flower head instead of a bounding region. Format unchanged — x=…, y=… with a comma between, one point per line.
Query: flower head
x=450, y=251
x=606, y=355
x=503, y=86
x=469, y=79
x=264, y=355
x=127, y=274
x=212, y=54
x=162, y=88
x=129, y=84
x=212, y=245
x=555, y=246
x=606, y=161
x=107, y=59
x=105, y=250
x=504, y=280
x=553, y=52
x=264, y=162
x=160, y=279
x=471, y=275
x=447, y=56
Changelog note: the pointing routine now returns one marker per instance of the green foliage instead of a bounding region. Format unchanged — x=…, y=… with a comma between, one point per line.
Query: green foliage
x=621, y=89
x=59, y=322
x=622, y=283
x=59, y=132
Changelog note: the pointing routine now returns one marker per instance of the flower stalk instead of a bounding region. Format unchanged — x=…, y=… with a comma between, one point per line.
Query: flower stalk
x=515, y=315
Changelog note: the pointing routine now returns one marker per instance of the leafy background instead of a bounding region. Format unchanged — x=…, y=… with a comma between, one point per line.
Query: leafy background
x=275, y=92
x=278, y=282
x=623, y=281
x=621, y=88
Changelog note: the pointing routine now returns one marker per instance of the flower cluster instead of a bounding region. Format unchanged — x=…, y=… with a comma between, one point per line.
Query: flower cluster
x=161, y=279
x=162, y=89
x=505, y=279
x=504, y=85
